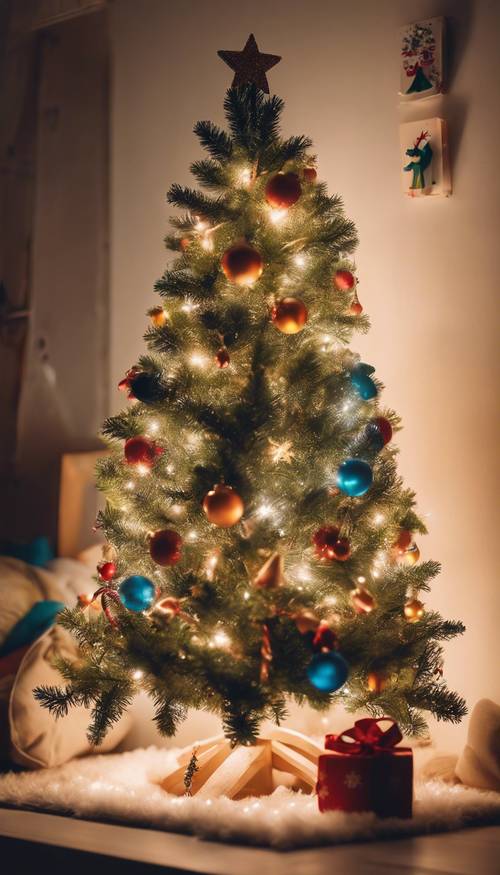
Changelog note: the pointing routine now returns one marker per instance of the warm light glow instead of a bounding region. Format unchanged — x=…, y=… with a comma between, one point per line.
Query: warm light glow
x=207, y=243
x=300, y=260
x=154, y=426
x=200, y=225
x=378, y=519
x=143, y=470
x=170, y=469
x=361, y=579
x=245, y=176
x=137, y=674
x=176, y=508
x=277, y=216
x=188, y=306
x=265, y=510
x=192, y=535
x=246, y=595
x=130, y=484
x=198, y=360
x=303, y=573
x=220, y=639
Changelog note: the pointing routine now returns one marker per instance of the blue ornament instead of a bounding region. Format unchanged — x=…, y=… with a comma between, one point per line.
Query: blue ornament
x=137, y=593
x=354, y=477
x=362, y=381
x=328, y=671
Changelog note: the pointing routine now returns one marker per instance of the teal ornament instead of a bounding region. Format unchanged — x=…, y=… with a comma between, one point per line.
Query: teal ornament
x=354, y=477
x=137, y=593
x=328, y=671
x=40, y=617
x=362, y=381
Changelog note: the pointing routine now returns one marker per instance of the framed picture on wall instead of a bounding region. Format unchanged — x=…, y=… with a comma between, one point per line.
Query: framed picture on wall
x=425, y=168
x=421, y=59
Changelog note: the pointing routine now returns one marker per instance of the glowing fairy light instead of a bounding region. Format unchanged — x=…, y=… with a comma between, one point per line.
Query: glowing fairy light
x=188, y=306
x=201, y=225
x=143, y=470
x=137, y=674
x=302, y=573
x=198, y=360
x=221, y=639
x=277, y=216
x=154, y=426
x=300, y=260
x=246, y=595
x=207, y=243
x=346, y=406
x=192, y=535
x=211, y=564
x=245, y=176
x=361, y=579
x=130, y=485
x=375, y=573
x=170, y=469
x=378, y=519
x=176, y=509
x=265, y=510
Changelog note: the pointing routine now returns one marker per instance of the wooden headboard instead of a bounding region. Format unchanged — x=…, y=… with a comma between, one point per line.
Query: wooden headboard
x=79, y=502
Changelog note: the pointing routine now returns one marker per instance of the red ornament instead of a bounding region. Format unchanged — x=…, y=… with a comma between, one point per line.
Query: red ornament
x=169, y=606
x=342, y=550
x=289, y=315
x=283, y=190
x=402, y=542
x=329, y=544
x=185, y=242
x=310, y=174
x=141, y=451
x=344, y=280
x=356, y=308
x=165, y=547
x=106, y=570
x=324, y=638
x=124, y=385
x=222, y=358
x=384, y=427
x=223, y=506
x=242, y=264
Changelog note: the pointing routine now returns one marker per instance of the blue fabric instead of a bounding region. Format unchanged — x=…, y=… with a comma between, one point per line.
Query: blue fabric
x=38, y=552
x=38, y=619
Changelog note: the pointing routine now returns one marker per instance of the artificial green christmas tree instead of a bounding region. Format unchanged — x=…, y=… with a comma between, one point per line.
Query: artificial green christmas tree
x=260, y=543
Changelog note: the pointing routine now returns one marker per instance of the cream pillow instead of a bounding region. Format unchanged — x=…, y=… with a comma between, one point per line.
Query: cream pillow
x=37, y=739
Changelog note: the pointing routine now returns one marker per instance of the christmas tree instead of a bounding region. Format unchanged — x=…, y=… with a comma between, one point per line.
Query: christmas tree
x=260, y=543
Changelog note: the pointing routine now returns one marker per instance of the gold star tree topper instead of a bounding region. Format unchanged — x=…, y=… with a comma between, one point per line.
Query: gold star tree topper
x=250, y=65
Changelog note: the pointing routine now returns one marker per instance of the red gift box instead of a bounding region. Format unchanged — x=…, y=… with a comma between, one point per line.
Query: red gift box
x=365, y=771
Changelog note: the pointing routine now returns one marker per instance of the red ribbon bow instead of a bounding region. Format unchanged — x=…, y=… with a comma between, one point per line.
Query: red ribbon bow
x=365, y=737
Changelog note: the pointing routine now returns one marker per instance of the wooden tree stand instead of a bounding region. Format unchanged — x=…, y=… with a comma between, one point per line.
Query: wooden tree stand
x=247, y=771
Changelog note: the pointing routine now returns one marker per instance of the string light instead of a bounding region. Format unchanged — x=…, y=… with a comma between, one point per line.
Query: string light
x=170, y=469
x=277, y=216
x=154, y=426
x=192, y=535
x=265, y=510
x=300, y=260
x=130, y=484
x=143, y=470
x=188, y=306
x=200, y=225
x=378, y=519
x=302, y=573
x=176, y=508
x=137, y=674
x=361, y=579
x=207, y=243
x=198, y=360
x=245, y=176
x=220, y=639
x=246, y=595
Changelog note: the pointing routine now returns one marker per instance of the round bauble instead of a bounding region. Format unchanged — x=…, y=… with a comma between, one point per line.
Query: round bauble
x=242, y=264
x=344, y=280
x=106, y=571
x=222, y=358
x=165, y=547
x=289, y=315
x=377, y=682
x=158, y=317
x=147, y=387
x=141, y=451
x=413, y=610
x=379, y=432
x=328, y=671
x=283, y=190
x=354, y=477
x=137, y=593
x=223, y=506
x=362, y=381
x=324, y=540
x=402, y=541
x=310, y=174
x=185, y=243
x=342, y=550
x=410, y=556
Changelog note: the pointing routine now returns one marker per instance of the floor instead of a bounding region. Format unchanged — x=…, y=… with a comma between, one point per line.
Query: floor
x=33, y=842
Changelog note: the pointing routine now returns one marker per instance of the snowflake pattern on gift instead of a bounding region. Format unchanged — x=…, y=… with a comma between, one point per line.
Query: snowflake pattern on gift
x=353, y=780
x=324, y=792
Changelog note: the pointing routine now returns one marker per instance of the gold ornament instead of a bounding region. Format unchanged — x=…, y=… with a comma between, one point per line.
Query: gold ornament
x=362, y=600
x=289, y=315
x=158, y=317
x=410, y=556
x=223, y=506
x=413, y=610
x=377, y=682
x=270, y=575
x=281, y=452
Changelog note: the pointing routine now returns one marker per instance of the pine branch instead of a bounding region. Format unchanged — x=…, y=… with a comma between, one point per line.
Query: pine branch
x=214, y=140
x=209, y=173
x=108, y=708
x=58, y=701
x=198, y=203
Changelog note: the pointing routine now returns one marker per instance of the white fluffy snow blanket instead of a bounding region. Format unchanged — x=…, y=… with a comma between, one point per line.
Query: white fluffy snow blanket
x=124, y=788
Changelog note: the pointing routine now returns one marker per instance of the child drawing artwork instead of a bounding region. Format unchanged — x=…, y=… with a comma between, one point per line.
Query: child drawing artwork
x=420, y=161
x=425, y=169
x=421, y=59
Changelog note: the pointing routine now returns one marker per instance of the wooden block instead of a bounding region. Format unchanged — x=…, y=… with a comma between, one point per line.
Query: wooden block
x=300, y=742
x=289, y=760
x=236, y=771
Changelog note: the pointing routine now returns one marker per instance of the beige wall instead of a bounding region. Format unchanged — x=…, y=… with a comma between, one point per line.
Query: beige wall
x=428, y=270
